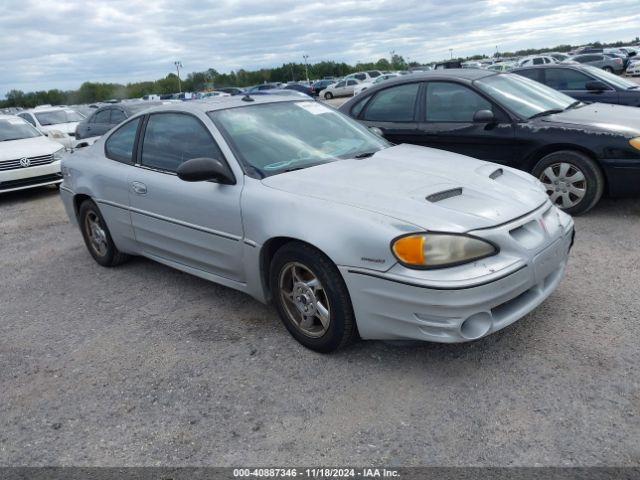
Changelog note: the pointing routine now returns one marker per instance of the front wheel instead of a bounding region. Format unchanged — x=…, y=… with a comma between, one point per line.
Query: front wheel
x=573, y=181
x=311, y=298
x=328, y=96
x=97, y=236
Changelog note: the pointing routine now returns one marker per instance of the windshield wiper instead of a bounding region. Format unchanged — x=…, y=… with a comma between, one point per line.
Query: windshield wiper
x=365, y=154
x=546, y=112
x=575, y=104
x=633, y=87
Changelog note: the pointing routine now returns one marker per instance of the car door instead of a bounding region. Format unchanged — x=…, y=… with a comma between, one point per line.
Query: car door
x=394, y=110
x=100, y=123
x=447, y=123
x=193, y=224
x=350, y=87
x=574, y=83
x=338, y=88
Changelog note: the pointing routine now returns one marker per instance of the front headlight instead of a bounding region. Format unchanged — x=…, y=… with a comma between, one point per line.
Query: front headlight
x=57, y=155
x=57, y=134
x=439, y=250
x=635, y=143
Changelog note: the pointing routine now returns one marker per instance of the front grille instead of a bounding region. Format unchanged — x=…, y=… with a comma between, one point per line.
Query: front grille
x=35, y=161
x=24, y=182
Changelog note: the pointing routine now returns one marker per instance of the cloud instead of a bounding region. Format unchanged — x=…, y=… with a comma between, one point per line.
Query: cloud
x=60, y=44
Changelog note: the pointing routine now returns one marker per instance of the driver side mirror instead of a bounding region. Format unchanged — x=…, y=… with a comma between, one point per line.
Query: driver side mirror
x=484, y=116
x=203, y=169
x=596, y=86
x=377, y=130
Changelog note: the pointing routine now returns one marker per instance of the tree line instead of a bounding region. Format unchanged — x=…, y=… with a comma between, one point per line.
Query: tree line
x=90, y=92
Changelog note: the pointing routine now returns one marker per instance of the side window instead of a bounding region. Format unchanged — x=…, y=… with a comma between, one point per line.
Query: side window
x=172, y=138
x=451, y=102
x=351, y=82
x=565, y=79
x=374, y=74
x=119, y=145
x=340, y=84
x=117, y=116
x=532, y=73
x=101, y=116
x=360, y=76
x=28, y=118
x=357, y=108
x=538, y=61
x=395, y=104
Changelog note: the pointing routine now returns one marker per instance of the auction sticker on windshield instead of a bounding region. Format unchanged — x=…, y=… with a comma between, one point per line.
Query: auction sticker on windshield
x=314, y=107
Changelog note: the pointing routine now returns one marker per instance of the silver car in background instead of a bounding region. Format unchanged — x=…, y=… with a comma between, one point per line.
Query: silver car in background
x=294, y=203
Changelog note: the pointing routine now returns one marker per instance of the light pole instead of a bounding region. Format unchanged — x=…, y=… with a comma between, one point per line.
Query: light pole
x=451, y=53
x=178, y=65
x=392, y=53
x=306, y=67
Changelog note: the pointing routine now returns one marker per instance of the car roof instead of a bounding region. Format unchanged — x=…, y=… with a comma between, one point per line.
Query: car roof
x=46, y=109
x=469, y=74
x=549, y=65
x=4, y=116
x=211, y=104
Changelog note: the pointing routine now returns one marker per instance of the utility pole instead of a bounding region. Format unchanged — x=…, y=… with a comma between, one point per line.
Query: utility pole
x=306, y=67
x=451, y=53
x=178, y=65
x=392, y=53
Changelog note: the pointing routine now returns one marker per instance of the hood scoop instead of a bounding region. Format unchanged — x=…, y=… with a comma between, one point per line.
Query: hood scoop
x=496, y=173
x=439, y=196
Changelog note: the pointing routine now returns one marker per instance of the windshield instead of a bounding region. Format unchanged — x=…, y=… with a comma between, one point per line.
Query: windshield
x=523, y=96
x=610, y=78
x=277, y=137
x=16, y=129
x=54, y=117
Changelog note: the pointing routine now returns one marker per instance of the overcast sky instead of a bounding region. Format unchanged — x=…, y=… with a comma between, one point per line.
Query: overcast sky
x=61, y=43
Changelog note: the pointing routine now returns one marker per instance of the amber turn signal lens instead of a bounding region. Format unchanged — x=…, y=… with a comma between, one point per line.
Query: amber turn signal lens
x=410, y=249
x=635, y=143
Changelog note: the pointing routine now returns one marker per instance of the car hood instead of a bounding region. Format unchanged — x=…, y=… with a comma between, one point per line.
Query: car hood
x=27, y=147
x=432, y=189
x=67, y=128
x=602, y=116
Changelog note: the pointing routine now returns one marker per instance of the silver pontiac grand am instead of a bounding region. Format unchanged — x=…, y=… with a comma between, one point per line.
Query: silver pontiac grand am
x=296, y=204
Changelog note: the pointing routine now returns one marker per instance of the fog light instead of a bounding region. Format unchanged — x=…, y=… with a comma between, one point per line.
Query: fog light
x=476, y=326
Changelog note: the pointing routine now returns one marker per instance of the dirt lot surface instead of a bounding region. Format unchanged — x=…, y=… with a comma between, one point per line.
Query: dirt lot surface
x=144, y=365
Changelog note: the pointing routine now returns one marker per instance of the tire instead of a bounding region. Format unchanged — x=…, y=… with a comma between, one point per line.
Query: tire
x=109, y=255
x=555, y=169
x=330, y=295
x=328, y=96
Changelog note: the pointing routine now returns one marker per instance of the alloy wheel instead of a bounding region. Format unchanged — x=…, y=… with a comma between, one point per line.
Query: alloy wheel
x=97, y=235
x=305, y=301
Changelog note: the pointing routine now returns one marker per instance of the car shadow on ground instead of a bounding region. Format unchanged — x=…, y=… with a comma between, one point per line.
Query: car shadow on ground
x=27, y=195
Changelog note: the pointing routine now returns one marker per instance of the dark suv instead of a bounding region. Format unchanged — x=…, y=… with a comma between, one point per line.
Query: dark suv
x=105, y=118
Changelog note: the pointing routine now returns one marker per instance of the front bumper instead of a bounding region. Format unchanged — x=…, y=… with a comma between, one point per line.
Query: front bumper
x=30, y=177
x=392, y=306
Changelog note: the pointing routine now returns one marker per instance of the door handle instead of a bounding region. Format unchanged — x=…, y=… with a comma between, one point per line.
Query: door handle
x=139, y=188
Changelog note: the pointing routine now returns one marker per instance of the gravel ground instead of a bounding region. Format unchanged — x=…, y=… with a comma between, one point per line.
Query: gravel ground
x=144, y=365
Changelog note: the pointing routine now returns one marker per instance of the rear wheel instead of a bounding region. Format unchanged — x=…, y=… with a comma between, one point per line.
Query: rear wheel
x=97, y=236
x=328, y=96
x=311, y=298
x=573, y=181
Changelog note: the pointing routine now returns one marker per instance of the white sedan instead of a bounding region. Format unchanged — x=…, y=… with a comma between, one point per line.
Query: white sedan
x=57, y=123
x=382, y=78
x=344, y=88
x=27, y=157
